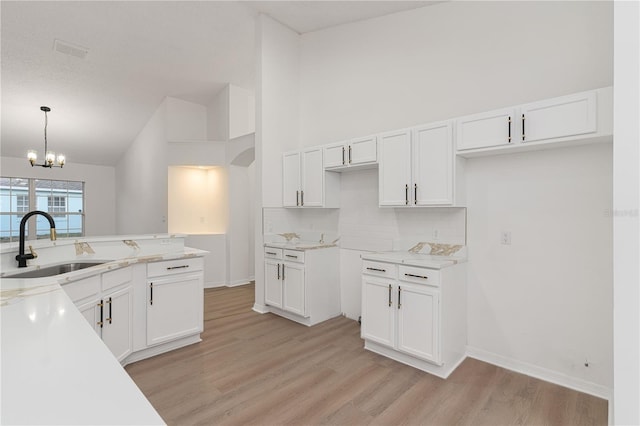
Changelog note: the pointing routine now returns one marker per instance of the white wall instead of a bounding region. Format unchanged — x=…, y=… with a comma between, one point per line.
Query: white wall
x=626, y=201
x=141, y=180
x=185, y=120
x=242, y=112
x=100, y=189
x=276, y=123
x=240, y=228
x=545, y=301
x=457, y=58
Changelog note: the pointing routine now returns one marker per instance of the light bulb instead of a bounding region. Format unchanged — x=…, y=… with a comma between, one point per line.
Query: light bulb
x=32, y=156
x=50, y=158
x=61, y=159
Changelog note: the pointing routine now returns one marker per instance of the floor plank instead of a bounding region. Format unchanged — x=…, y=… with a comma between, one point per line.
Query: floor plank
x=264, y=369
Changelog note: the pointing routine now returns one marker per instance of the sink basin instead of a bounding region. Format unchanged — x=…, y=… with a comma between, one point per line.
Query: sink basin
x=50, y=271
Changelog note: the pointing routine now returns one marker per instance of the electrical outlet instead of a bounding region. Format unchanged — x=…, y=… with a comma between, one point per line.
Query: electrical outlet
x=505, y=238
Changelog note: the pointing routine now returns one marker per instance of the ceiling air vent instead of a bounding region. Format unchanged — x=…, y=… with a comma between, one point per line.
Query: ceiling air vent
x=70, y=49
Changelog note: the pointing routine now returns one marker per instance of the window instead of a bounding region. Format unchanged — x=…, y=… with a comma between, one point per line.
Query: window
x=22, y=203
x=56, y=204
x=64, y=200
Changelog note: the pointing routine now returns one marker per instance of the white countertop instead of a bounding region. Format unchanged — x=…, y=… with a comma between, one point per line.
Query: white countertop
x=300, y=245
x=415, y=259
x=55, y=368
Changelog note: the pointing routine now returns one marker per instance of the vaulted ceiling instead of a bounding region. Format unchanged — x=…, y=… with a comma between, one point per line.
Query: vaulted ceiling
x=138, y=52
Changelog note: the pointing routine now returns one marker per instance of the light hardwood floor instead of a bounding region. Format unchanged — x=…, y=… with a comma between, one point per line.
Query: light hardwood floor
x=263, y=369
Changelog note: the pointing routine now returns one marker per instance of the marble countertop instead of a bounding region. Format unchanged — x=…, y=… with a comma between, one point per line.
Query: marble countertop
x=415, y=259
x=300, y=245
x=55, y=368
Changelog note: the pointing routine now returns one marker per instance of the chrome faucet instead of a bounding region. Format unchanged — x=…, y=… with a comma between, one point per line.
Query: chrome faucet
x=21, y=257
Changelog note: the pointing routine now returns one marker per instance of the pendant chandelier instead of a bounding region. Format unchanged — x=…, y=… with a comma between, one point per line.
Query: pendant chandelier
x=50, y=159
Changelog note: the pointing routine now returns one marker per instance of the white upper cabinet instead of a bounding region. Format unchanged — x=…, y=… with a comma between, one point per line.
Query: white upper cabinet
x=394, y=176
x=559, y=117
x=311, y=191
x=487, y=129
x=433, y=164
x=418, y=167
x=356, y=152
x=580, y=118
x=291, y=179
x=304, y=181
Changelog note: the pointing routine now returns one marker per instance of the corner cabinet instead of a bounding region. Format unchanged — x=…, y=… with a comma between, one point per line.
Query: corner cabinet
x=418, y=167
x=305, y=183
x=585, y=117
x=416, y=316
x=142, y=310
x=302, y=285
x=106, y=302
x=175, y=300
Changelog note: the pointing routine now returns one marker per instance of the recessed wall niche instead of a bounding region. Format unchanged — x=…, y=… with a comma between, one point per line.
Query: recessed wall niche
x=198, y=200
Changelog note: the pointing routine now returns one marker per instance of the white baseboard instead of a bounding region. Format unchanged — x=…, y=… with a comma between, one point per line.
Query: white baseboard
x=541, y=373
x=214, y=284
x=261, y=309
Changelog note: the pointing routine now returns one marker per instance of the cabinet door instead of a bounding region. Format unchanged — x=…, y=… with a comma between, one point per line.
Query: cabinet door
x=294, y=290
x=117, y=322
x=419, y=321
x=488, y=129
x=394, y=175
x=378, y=310
x=335, y=156
x=312, y=178
x=361, y=151
x=291, y=179
x=559, y=117
x=91, y=312
x=273, y=284
x=433, y=165
x=174, y=307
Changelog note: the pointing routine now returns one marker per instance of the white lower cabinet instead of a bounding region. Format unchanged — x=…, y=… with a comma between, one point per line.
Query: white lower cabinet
x=108, y=309
x=168, y=315
x=302, y=285
x=404, y=318
x=175, y=302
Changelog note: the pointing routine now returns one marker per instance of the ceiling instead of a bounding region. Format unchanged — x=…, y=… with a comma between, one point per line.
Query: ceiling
x=138, y=53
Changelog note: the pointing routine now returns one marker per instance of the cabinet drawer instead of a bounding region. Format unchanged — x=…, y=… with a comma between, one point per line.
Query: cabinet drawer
x=294, y=256
x=419, y=275
x=115, y=278
x=82, y=289
x=379, y=269
x=178, y=266
x=272, y=253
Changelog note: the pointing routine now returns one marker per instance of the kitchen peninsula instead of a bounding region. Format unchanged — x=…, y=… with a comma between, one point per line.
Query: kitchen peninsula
x=61, y=368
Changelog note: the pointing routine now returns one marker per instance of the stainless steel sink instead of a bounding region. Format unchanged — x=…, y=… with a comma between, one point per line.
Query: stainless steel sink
x=50, y=271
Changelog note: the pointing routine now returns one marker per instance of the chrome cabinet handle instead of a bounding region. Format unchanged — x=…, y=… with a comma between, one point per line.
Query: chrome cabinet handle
x=389, y=294
x=302, y=198
x=297, y=198
x=151, y=291
x=509, y=139
x=349, y=154
x=376, y=269
x=399, y=291
x=523, y=127
x=283, y=272
x=278, y=271
x=406, y=194
x=271, y=253
x=343, y=155
x=290, y=255
x=415, y=193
